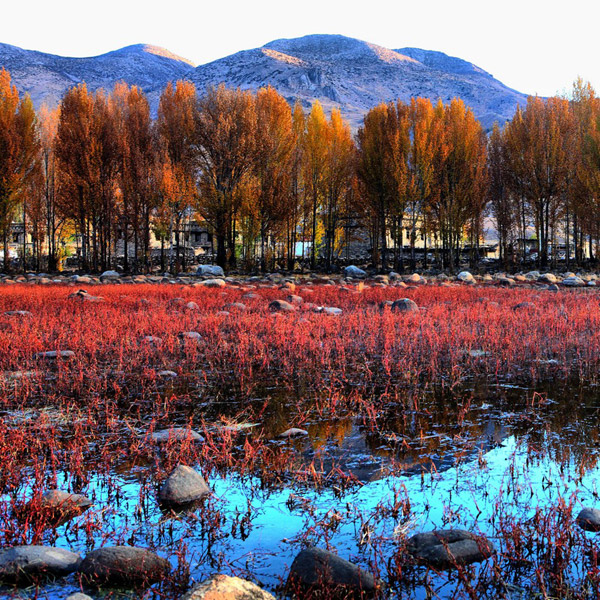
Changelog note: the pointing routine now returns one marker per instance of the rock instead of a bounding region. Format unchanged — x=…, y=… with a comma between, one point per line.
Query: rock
x=293, y=299
x=60, y=506
x=523, y=305
x=179, y=434
x=213, y=283
x=405, y=305
x=589, y=519
x=573, y=281
x=415, y=278
x=183, y=486
x=506, y=281
x=166, y=374
x=329, y=310
x=548, y=278
x=110, y=274
x=17, y=313
x=78, y=596
x=293, y=432
x=192, y=306
x=315, y=568
x=354, y=272
x=239, y=306
x=465, y=277
x=190, y=335
x=447, y=548
x=123, y=566
x=223, y=587
x=55, y=355
x=28, y=563
x=210, y=270
x=533, y=276
x=553, y=287
x=281, y=306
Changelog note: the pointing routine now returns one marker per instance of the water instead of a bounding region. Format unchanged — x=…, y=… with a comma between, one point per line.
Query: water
x=489, y=458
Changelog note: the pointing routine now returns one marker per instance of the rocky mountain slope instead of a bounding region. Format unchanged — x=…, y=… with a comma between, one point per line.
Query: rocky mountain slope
x=46, y=77
x=356, y=75
x=338, y=71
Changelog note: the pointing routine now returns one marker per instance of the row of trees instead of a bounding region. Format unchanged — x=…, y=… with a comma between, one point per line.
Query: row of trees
x=267, y=178
x=544, y=175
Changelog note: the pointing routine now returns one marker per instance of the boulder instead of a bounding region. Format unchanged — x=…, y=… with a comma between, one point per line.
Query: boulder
x=223, y=587
x=354, y=272
x=589, y=519
x=405, y=305
x=573, y=281
x=17, y=313
x=447, y=548
x=123, y=566
x=210, y=270
x=415, y=278
x=55, y=355
x=179, y=434
x=281, y=306
x=533, y=276
x=465, y=277
x=190, y=335
x=183, y=486
x=523, y=306
x=213, y=283
x=293, y=432
x=110, y=274
x=22, y=564
x=316, y=569
x=78, y=596
x=59, y=506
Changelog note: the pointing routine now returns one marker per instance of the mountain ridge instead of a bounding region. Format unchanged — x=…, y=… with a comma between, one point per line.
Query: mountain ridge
x=339, y=71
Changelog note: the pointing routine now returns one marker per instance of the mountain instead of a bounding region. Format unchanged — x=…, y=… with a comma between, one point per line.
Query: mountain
x=338, y=71
x=46, y=77
x=356, y=75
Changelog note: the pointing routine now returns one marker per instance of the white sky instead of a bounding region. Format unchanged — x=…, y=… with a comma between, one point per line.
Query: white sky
x=534, y=46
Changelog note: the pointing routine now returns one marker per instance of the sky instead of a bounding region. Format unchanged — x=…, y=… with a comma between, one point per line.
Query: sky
x=535, y=47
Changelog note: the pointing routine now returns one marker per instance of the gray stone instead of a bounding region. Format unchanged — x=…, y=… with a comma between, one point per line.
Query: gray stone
x=405, y=305
x=354, y=272
x=281, y=306
x=78, y=596
x=316, y=569
x=589, y=519
x=179, y=434
x=293, y=432
x=110, y=274
x=465, y=277
x=213, y=283
x=59, y=506
x=55, y=354
x=223, y=587
x=123, y=566
x=210, y=270
x=27, y=563
x=183, y=486
x=447, y=548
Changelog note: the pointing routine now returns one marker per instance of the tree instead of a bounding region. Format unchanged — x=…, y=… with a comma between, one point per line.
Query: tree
x=541, y=149
x=315, y=156
x=340, y=164
x=225, y=146
x=272, y=163
x=176, y=125
x=460, y=178
x=383, y=145
x=19, y=152
x=502, y=204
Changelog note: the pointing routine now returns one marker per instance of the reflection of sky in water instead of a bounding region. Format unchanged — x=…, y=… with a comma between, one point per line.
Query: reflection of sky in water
x=462, y=496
